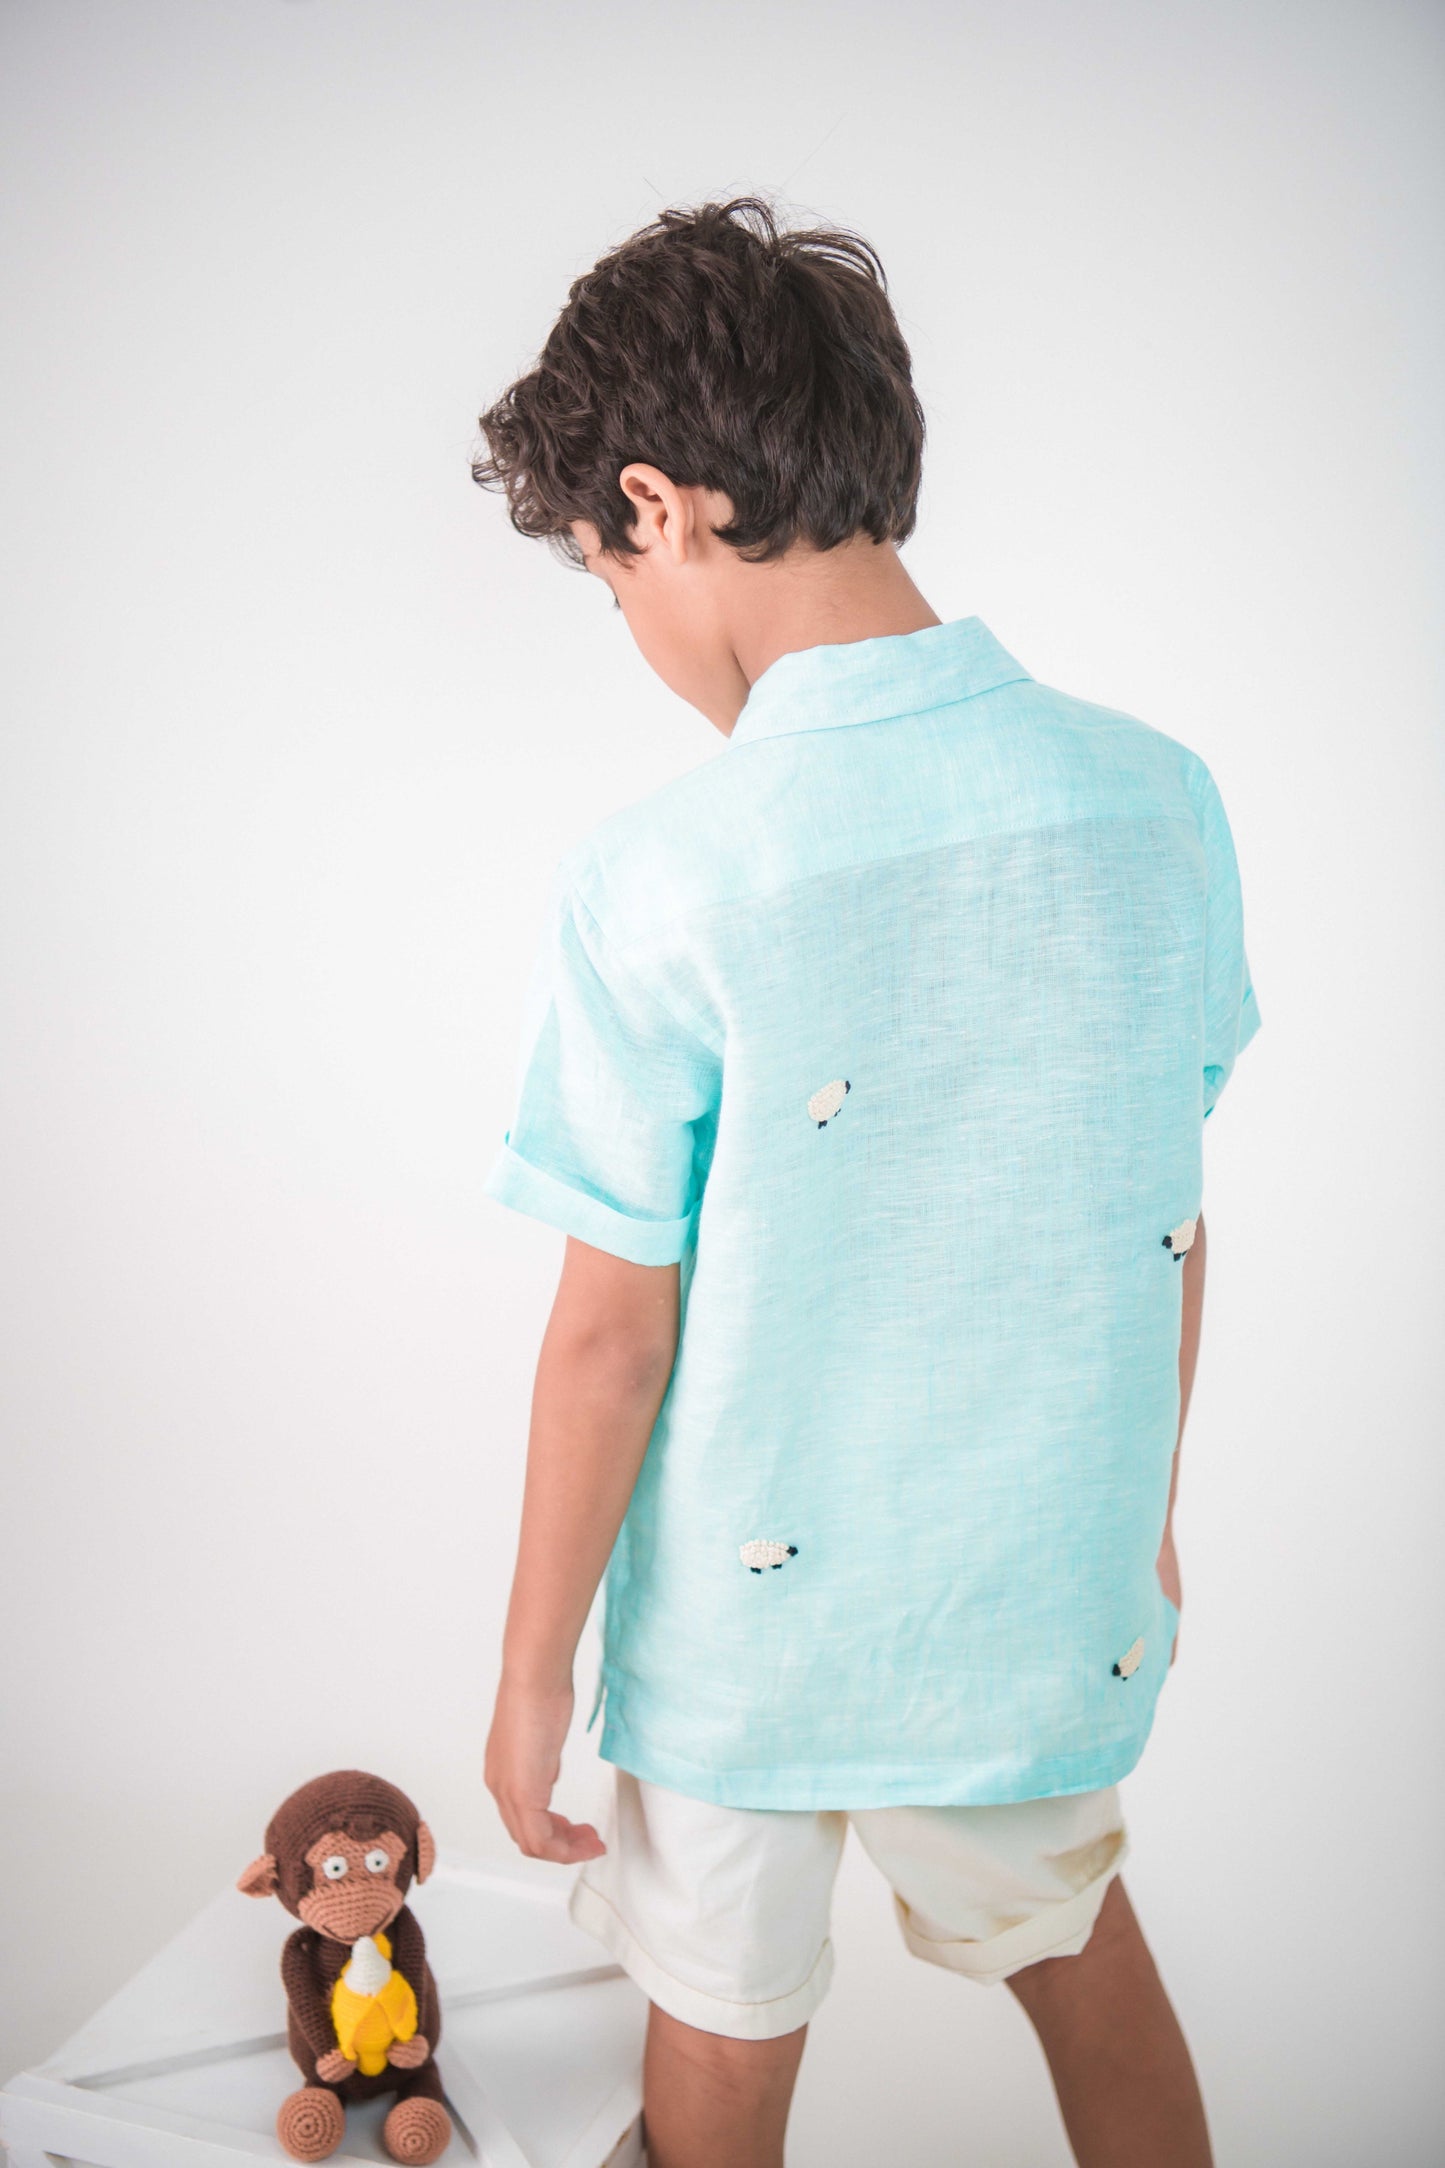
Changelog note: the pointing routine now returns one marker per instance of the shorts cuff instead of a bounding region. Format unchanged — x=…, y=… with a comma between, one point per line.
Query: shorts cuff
x=590, y=1910
x=1061, y=1930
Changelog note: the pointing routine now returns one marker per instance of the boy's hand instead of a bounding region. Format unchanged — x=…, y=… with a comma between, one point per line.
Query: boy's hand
x=524, y=1759
x=1167, y=1568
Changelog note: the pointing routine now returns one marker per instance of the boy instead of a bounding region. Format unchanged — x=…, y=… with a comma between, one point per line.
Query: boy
x=866, y=1075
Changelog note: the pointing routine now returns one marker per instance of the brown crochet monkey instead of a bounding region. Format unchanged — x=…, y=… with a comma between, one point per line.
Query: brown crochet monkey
x=363, y=2015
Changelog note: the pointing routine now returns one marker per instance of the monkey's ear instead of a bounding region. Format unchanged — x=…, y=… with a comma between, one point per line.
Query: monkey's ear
x=259, y=1880
x=426, y=1852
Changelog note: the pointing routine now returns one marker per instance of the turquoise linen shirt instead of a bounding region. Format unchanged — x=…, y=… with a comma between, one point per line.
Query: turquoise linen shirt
x=896, y=1025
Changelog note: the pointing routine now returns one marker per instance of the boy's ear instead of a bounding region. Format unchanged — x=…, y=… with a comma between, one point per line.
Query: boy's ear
x=662, y=513
x=259, y=1879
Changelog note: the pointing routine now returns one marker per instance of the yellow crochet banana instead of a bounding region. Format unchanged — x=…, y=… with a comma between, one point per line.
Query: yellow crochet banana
x=371, y=2005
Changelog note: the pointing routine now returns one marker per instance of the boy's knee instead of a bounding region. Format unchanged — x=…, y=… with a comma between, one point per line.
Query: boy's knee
x=1114, y=1928
x=1034, y=1985
x=720, y=2055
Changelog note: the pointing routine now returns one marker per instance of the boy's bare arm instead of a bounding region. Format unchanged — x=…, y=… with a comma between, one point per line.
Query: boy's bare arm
x=1189, y=1331
x=606, y=1358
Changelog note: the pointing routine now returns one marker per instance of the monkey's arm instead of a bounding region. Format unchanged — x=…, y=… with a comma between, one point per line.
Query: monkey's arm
x=408, y=1954
x=308, y=2004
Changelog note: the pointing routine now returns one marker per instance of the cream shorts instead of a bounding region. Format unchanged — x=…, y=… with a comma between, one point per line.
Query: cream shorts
x=721, y=1914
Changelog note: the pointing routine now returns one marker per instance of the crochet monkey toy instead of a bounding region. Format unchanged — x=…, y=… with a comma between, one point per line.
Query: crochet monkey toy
x=363, y=2015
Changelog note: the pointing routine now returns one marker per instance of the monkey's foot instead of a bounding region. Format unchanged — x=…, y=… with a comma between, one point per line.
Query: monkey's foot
x=417, y=2131
x=311, y=2123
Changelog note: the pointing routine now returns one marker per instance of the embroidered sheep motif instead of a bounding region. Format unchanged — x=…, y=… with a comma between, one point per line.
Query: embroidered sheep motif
x=1180, y=1238
x=825, y=1103
x=760, y=1553
x=1130, y=1661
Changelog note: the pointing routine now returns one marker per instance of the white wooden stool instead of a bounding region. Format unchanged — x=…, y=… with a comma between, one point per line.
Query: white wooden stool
x=540, y=2054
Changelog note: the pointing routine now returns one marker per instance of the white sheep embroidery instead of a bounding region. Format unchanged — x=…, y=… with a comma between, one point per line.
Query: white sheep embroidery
x=1180, y=1238
x=760, y=1553
x=825, y=1102
x=1130, y=1661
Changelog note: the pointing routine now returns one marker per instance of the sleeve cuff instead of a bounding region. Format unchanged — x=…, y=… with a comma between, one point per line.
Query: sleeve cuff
x=514, y=1181
x=1216, y=1079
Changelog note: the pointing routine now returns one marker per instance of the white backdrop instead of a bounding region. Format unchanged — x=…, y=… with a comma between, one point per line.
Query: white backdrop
x=297, y=728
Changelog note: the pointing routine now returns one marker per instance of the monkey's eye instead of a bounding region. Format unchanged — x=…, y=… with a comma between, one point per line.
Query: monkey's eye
x=334, y=1867
x=377, y=1861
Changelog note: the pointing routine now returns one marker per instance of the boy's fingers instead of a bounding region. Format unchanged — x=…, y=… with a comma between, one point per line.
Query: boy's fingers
x=543, y=1835
x=568, y=1842
x=583, y=1837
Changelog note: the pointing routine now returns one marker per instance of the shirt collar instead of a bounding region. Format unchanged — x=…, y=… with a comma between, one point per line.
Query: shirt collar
x=867, y=681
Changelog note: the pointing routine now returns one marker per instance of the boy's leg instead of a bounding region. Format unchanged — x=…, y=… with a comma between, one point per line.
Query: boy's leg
x=721, y=1916
x=1125, y=2084
x=713, y=2102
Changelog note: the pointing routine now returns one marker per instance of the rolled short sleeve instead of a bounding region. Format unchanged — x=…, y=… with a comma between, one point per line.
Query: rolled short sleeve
x=1231, y=1011
x=616, y=1099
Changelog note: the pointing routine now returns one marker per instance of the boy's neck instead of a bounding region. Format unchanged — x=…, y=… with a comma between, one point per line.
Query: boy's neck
x=817, y=598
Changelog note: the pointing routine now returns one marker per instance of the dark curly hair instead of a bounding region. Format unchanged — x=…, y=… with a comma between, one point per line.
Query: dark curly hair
x=735, y=356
